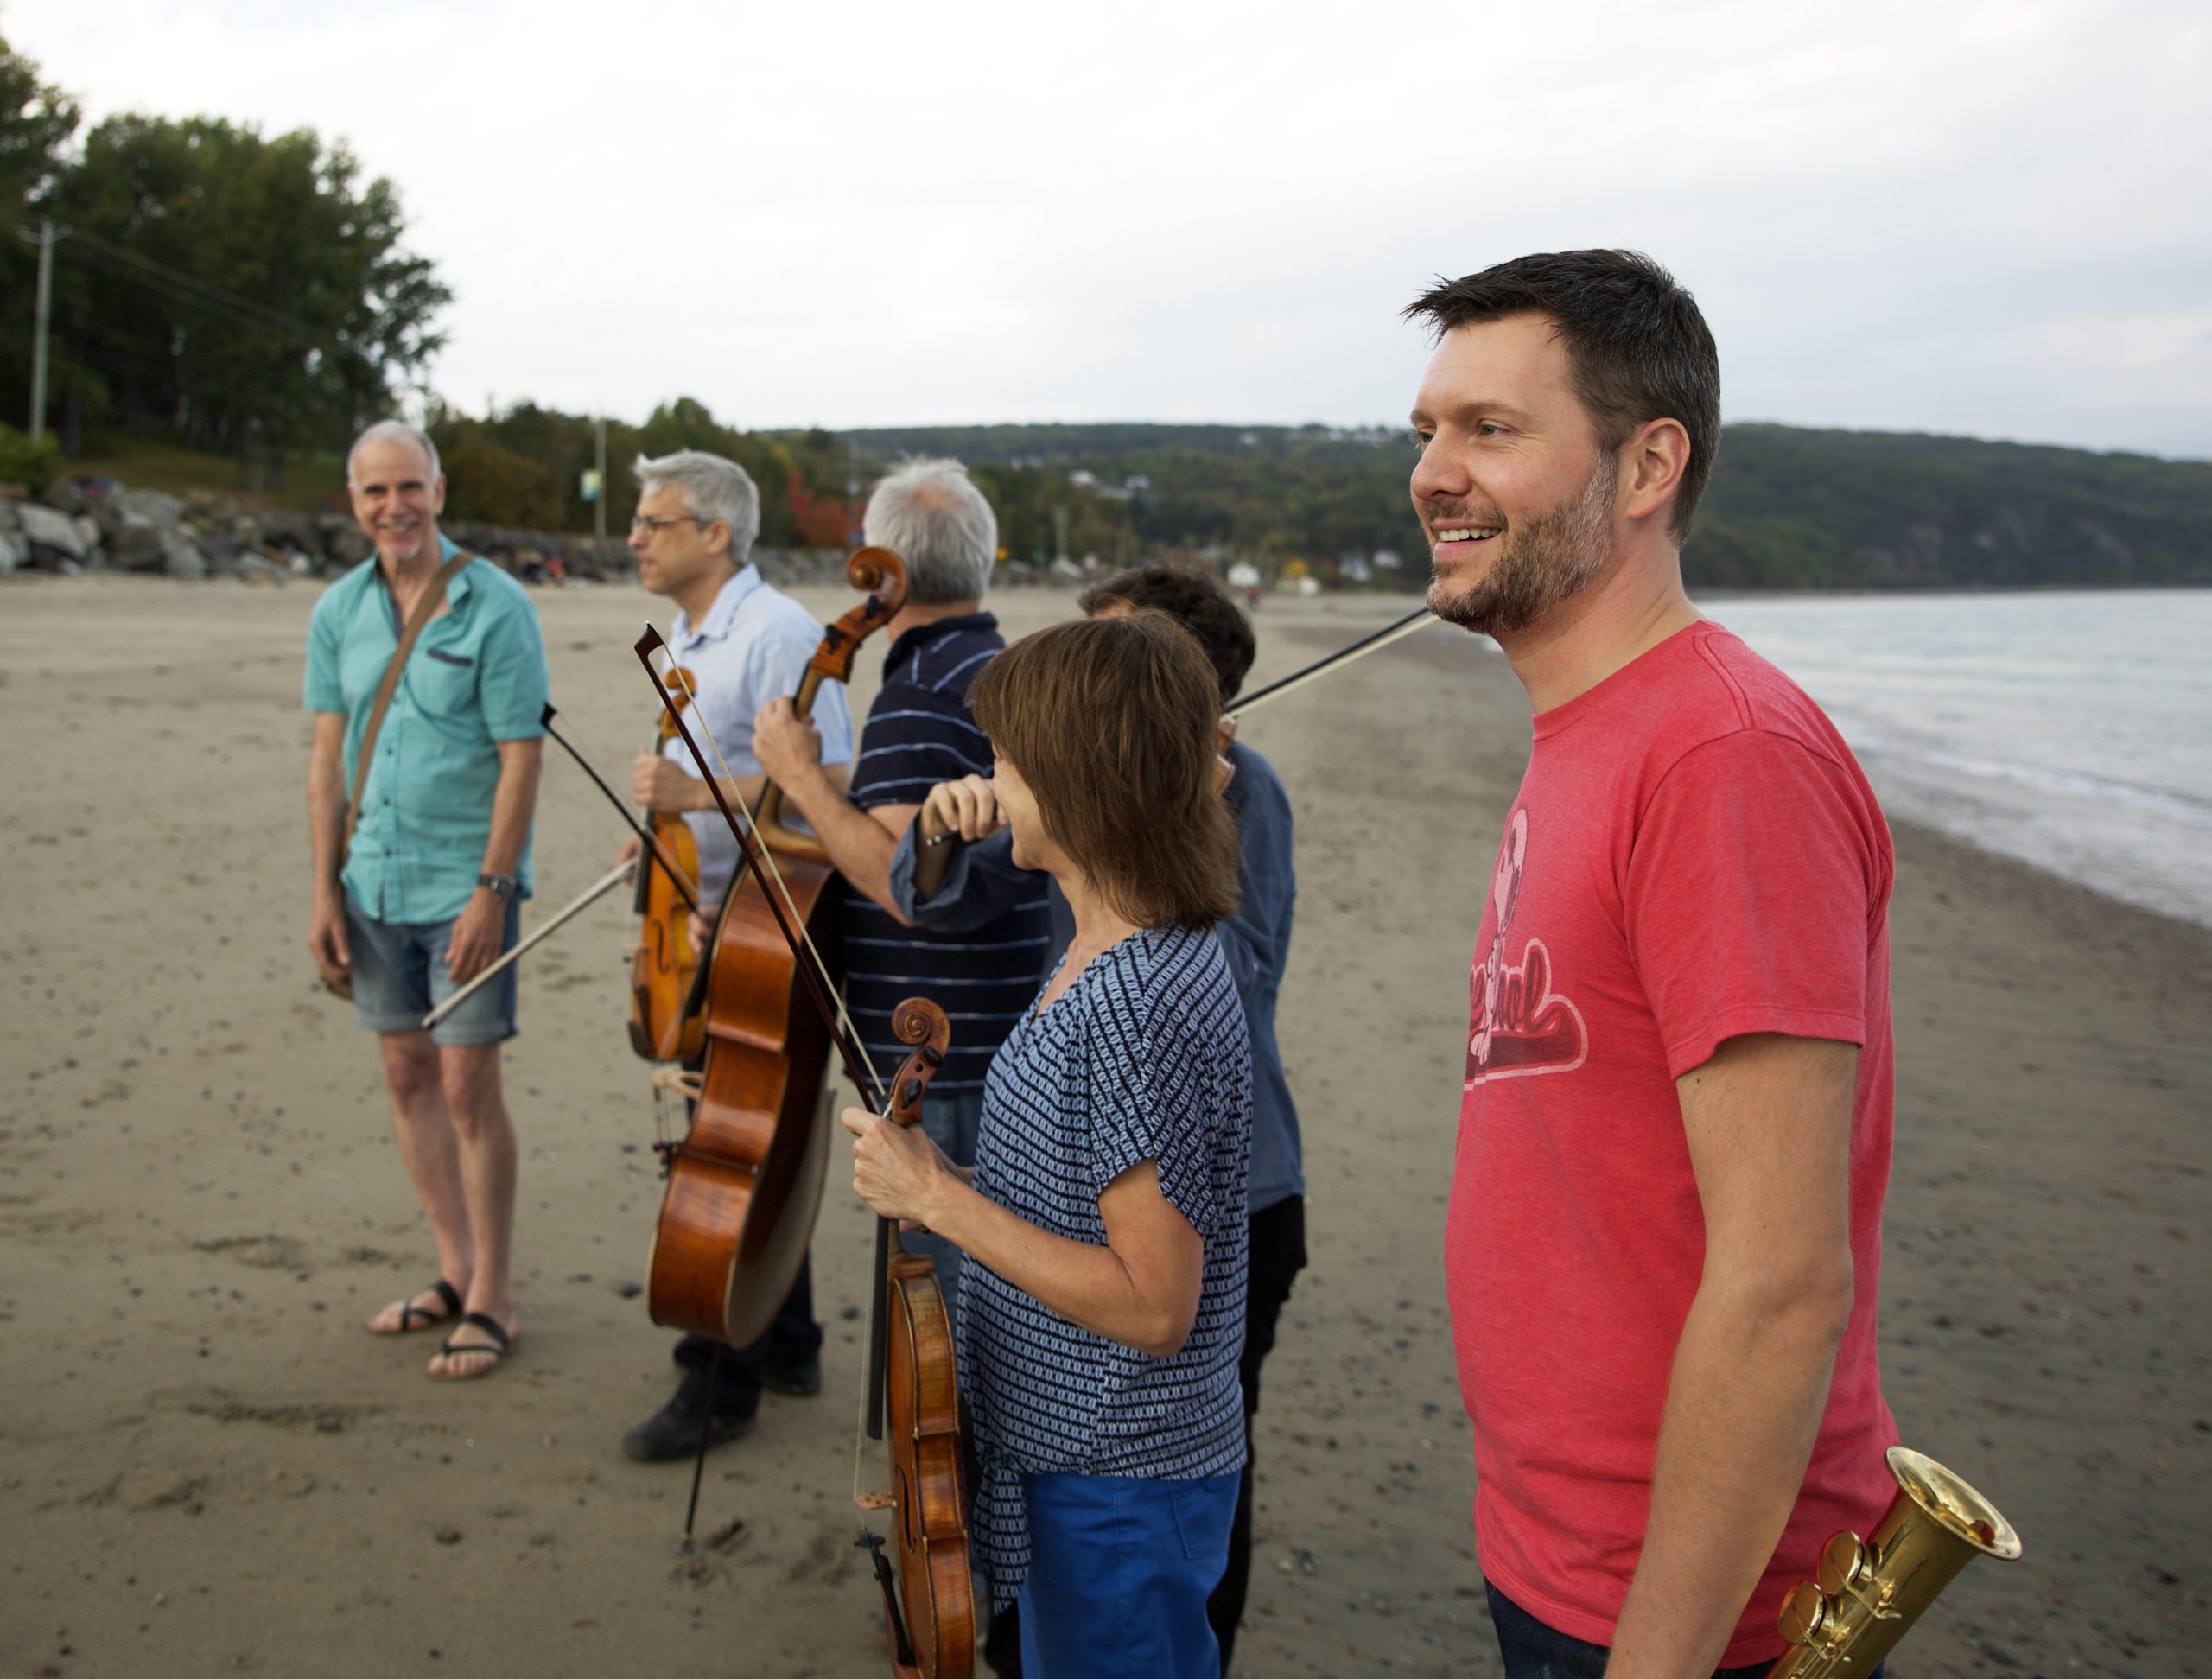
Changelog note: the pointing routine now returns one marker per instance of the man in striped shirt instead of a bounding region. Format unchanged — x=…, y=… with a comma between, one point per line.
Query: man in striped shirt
x=917, y=734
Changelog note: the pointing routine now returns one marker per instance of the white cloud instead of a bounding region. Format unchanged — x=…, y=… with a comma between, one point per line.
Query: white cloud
x=878, y=213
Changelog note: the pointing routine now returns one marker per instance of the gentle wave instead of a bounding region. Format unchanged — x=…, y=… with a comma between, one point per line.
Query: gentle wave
x=2072, y=731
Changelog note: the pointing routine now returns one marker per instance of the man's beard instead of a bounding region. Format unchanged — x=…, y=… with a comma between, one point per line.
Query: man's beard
x=1541, y=562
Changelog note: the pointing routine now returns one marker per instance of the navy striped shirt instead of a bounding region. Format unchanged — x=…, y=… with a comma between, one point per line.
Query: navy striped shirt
x=1144, y=1058
x=918, y=733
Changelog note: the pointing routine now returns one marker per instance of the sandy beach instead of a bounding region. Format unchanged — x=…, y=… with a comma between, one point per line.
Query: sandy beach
x=207, y=1466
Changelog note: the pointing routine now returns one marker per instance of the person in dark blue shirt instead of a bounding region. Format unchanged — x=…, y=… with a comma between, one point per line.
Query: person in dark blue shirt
x=982, y=876
x=918, y=733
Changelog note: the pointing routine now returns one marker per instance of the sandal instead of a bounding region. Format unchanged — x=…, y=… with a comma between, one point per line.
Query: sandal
x=495, y=1348
x=413, y=1317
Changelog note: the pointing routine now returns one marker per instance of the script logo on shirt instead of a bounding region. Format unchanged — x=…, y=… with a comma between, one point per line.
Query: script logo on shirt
x=1521, y=1025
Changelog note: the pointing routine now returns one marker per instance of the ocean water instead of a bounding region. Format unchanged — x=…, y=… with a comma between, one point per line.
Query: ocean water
x=2071, y=730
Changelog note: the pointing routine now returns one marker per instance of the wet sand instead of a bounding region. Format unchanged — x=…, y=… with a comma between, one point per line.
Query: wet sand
x=207, y=1466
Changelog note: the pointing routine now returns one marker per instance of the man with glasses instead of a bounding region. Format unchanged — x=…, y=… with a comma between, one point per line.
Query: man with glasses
x=744, y=644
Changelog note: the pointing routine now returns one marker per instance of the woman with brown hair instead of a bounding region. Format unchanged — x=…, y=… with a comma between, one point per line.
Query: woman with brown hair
x=1101, y=1319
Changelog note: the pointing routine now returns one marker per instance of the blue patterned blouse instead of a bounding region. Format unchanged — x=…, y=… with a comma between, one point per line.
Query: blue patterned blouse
x=1144, y=1058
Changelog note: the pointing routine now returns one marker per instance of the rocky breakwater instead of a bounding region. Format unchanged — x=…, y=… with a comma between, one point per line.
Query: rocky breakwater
x=105, y=527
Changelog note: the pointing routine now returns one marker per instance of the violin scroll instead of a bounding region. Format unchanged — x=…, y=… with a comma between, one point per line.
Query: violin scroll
x=922, y=1023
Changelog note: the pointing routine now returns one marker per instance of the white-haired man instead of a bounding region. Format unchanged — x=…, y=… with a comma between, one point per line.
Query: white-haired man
x=918, y=733
x=427, y=892
x=744, y=643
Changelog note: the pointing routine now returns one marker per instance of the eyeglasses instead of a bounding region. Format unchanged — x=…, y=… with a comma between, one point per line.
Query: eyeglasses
x=658, y=523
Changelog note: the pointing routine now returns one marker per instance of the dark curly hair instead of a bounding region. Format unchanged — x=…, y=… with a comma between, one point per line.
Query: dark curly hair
x=1197, y=602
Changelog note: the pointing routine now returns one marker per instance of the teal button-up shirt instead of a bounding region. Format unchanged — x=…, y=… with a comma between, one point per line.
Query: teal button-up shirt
x=477, y=677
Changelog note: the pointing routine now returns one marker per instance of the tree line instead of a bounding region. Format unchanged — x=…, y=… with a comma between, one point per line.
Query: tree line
x=242, y=294
x=253, y=296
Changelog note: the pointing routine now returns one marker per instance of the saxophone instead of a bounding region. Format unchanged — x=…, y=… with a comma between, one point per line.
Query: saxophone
x=1868, y=1592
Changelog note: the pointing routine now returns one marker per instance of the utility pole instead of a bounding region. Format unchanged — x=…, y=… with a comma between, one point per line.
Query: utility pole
x=599, y=463
x=45, y=239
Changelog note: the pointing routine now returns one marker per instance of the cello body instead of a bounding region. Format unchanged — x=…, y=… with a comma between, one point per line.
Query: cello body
x=745, y=1183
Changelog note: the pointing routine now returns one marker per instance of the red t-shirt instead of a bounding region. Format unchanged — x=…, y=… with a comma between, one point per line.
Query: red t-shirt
x=1693, y=855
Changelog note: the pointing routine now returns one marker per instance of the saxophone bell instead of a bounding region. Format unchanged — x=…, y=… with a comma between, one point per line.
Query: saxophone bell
x=1867, y=1593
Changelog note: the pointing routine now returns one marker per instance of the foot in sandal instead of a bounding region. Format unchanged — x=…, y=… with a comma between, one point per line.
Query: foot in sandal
x=435, y=1304
x=474, y=1348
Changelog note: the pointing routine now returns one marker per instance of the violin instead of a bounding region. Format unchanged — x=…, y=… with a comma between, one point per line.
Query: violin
x=743, y=1183
x=914, y=1395
x=666, y=1023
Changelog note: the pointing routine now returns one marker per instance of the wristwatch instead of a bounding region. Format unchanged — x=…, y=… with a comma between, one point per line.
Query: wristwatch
x=505, y=888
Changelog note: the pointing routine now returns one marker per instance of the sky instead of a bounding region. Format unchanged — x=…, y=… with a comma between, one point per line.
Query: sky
x=1946, y=215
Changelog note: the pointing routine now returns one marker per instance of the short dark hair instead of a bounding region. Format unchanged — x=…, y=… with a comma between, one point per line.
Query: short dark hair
x=1114, y=724
x=1637, y=346
x=1193, y=599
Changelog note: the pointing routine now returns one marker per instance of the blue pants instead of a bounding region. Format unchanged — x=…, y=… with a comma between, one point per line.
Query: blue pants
x=1120, y=1567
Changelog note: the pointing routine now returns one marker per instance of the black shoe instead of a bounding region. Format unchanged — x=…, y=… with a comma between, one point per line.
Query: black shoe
x=674, y=1431
x=800, y=1380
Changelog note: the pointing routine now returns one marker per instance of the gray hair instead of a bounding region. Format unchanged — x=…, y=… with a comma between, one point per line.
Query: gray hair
x=385, y=431
x=932, y=515
x=713, y=489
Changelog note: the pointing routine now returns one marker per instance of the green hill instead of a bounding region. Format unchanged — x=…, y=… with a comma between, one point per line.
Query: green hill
x=1788, y=508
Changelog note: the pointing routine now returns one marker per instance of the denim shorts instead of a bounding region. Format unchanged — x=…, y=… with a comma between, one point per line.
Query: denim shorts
x=399, y=975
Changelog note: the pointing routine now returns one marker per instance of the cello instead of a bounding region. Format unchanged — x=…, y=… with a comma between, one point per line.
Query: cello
x=743, y=1183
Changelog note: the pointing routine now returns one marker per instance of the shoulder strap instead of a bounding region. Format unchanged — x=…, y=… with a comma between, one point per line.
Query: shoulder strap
x=424, y=609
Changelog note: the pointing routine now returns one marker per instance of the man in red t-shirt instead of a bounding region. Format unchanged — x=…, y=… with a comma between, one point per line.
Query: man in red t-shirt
x=1665, y=1247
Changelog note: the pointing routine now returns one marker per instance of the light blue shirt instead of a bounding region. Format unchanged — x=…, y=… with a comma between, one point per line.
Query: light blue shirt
x=477, y=677
x=752, y=648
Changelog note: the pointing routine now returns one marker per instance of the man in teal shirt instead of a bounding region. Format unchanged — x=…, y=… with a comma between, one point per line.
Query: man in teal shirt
x=428, y=893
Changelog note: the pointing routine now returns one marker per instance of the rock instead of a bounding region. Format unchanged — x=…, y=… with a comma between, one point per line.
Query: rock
x=54, y=533
x=341, y=540
x=13, y=552
x=180, y=556
x=88, y=530
x=11, y=522
x=221, y=549
x=134, y=547
x=64, y=496
x=160, y=511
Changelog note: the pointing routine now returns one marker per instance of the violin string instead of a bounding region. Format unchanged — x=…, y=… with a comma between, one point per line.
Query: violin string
x=1373, y=644
x=765, y=857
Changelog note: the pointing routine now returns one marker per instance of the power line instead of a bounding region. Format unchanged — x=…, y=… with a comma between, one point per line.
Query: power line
x=181, y=286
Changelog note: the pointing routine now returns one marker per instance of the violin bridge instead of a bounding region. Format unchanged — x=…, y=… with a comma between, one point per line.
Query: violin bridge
x=878, y=1499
